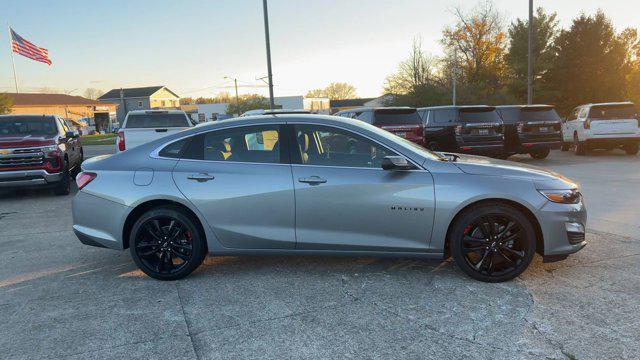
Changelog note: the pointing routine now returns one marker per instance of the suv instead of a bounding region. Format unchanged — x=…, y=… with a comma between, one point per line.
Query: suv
x=38, y=150
x=530, y=129
x=402, y=121
x=602, y=126
x=142, y=126
x=474, y=129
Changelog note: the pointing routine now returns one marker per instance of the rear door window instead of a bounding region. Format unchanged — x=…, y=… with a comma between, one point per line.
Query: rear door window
x=162, y=120
x=445, y=116
x=509, y=116
x=539, y=114
x=382, y=117
x=613, y=112
x=478, y=116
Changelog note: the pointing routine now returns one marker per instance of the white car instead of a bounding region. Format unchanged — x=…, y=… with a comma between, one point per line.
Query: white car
x=602, y=126
x=143, y=126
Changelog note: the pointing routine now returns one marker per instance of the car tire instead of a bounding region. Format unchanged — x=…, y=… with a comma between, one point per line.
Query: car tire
x=63, y=187
x=631, y=149
x=565, y=146
x=163, y=236
x=540, y=153
x=499, y=256
x=580, y=148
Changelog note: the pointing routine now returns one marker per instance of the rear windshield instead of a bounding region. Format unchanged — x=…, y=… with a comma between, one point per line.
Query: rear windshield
x=142, y=121
x=396, y=117
x=612, y=112
x=16, y=125
x=479, y=115
x=539, y=114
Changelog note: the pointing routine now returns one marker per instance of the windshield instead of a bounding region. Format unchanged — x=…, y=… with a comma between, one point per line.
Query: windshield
x=479, y=115
x=612, y=112
x=143, y=121
x=16, y=125
x=383, y=117
x=539, y=114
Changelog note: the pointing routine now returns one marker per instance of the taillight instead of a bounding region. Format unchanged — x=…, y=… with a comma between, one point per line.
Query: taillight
x=121, y=145
x=587, y=124
x=459, y=130
x=85, y=178
x=520, y=127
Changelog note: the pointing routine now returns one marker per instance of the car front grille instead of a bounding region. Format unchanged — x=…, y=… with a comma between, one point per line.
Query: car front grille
x=575, y=237
x=22, y=157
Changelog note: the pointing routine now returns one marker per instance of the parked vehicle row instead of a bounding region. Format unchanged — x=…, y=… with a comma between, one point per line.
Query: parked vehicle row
x=321, y=185
x=38, y=150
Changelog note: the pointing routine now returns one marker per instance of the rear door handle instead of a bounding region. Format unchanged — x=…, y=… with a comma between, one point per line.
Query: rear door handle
x=312, y=180
x=203, y=177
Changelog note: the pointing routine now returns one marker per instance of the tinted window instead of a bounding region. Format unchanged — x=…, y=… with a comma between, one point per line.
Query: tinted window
x=445, y=116
x=16, y=125
x=384, y=117
x=509, y=116
x=539, y=114
x=142, y=121
x=613, y=112
x=258, y=144
x=327, y=146
x=175, y=149
x=478, y=115
x=365, y=116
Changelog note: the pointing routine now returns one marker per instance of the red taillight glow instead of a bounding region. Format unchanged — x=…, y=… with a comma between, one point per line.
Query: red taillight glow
x=121, y=145
x=85, y=178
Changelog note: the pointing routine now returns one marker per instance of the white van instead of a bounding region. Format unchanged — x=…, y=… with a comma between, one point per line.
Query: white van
x=602, y=126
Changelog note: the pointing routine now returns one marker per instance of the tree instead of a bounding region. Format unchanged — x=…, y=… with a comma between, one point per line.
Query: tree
x=478, y=43
x=417, y=71
x=335, y=91
x=92, y=93
x=5, y=103
x=246, y=103
x=592, y=63
x=545, y=30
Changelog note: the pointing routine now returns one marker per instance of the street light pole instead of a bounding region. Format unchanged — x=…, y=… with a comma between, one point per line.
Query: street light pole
x=268, y=44
x=530, y=57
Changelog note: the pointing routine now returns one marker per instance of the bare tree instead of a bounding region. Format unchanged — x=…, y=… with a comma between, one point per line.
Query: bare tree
x=92, y=93
x=417, y=70
x=335, y=91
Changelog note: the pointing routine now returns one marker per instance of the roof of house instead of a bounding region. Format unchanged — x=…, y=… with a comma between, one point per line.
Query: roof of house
x=349, y=102
x=31, y=99
x=133, y=92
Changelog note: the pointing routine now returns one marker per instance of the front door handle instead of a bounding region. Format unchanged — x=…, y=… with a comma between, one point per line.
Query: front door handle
x=202, y=177
x=312, y=180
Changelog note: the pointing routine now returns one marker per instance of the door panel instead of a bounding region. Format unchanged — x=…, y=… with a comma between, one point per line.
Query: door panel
x=363, y=209
x=248, y=206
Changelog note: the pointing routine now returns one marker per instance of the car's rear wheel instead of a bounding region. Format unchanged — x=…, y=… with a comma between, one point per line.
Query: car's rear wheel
x=579, y=147
x=631, y=149
x=166, y=244
x=540, y=153
x=492, y=242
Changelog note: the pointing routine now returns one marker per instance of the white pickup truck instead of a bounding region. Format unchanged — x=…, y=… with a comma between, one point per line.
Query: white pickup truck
x=142, y=126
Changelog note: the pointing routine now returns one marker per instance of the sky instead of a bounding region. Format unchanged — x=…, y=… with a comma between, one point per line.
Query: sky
x=191, y=46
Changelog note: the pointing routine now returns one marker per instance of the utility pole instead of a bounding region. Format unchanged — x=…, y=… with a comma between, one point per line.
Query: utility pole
x=235, y=83
x=268, y=44
x=530, y=57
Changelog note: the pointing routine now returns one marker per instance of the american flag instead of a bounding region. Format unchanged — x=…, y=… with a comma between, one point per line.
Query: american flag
x=26, y=48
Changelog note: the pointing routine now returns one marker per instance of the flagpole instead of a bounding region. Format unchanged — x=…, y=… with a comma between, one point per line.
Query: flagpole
x=13, y=60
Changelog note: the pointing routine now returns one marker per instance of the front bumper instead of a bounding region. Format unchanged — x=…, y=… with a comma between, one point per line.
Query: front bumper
x=25, y=178
x=97, y=221
x=559, y=223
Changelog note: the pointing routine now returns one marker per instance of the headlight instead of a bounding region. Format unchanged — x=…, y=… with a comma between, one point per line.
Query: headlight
x=571, y=196
x=49, y=148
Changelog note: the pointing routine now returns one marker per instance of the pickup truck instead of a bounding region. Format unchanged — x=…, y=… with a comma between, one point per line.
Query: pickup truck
x=38, y=150
x=142, y=126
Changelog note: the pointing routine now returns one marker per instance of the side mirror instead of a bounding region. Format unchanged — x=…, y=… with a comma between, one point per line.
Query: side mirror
x=71, y=135
x=396, y=163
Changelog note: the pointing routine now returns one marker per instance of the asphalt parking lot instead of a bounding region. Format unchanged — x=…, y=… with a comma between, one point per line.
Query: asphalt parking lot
x=61, y=299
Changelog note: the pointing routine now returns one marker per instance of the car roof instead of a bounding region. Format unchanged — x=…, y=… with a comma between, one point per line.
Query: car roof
x=457, y=107
x=156, y=111
x=607, y=104
x=373, y=108
x=524, y=106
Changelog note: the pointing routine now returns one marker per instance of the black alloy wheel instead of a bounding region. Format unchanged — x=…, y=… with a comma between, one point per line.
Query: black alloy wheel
x=493, y=242
x=166, y=244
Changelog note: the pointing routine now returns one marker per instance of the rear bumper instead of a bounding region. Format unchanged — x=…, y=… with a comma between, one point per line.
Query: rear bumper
x=97, y=221
x=525, y=147
x=477, y=145
x=27, y=178
x=612, y=140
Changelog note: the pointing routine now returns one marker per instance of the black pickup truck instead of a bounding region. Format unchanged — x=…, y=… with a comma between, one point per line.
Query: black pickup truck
x=38, y=150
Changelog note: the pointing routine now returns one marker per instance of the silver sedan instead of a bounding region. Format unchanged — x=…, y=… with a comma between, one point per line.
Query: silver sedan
x=321, y=185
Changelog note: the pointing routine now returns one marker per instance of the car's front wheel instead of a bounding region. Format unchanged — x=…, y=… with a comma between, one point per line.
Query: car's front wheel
x=166, y=244
x=492, y=242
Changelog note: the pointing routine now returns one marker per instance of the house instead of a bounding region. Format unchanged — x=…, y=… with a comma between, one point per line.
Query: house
x=142, y=98
x=82, y=112
x=338, y=105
